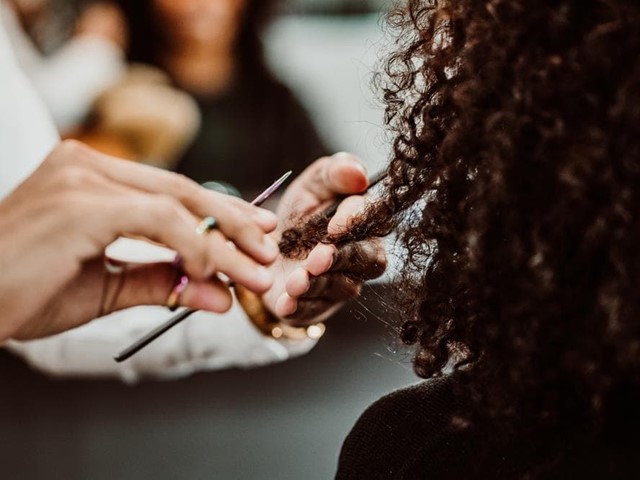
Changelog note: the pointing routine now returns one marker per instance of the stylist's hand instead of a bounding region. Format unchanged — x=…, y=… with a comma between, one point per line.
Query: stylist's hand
x=311, y=290
x=55, y=226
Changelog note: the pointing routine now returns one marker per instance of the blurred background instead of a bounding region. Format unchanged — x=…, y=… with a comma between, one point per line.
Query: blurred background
x=291, y=84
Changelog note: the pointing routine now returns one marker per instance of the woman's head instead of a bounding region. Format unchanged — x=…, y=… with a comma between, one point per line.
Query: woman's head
x=518, y=134
x=195, y=23
x=159, y=25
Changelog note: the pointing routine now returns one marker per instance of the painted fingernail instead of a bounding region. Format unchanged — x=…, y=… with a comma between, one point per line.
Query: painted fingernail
x=177, y=261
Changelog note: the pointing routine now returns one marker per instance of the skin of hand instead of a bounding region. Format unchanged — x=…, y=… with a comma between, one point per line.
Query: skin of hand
x=55, y=226
x=104, y=19
x=311, y=290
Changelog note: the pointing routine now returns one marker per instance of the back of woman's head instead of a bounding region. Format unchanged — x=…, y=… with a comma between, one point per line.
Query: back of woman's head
x=518, y=128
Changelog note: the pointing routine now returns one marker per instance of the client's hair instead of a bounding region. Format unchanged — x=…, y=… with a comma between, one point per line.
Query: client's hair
x=518, y=139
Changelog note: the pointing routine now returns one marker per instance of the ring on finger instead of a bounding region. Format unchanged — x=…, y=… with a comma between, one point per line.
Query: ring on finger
x=173, y=301
x=206, y=225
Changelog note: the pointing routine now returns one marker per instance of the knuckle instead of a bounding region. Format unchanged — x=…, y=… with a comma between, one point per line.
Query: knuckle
x=182, y=185
x=166, y=206
x=241, y=228
x=72, y=205
x=74, y=178
x=71, y=150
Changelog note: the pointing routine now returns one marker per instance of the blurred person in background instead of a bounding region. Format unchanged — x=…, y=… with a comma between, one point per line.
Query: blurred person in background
x=70, y=52
x=252, y=127
x=74, y=54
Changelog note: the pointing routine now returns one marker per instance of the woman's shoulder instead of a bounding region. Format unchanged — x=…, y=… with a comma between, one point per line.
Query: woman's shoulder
x=410, y=434
x=397, y=430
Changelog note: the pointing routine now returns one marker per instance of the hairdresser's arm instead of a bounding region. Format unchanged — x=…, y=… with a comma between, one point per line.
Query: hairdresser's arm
x=55, y=226
x=207, y=341
x=311, y=290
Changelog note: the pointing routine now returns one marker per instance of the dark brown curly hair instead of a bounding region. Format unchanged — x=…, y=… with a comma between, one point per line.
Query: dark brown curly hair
x=517, y=128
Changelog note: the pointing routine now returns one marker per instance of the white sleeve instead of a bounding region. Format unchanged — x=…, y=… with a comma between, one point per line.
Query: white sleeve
x=204, y=341
x=71, y=79
x=27, y=133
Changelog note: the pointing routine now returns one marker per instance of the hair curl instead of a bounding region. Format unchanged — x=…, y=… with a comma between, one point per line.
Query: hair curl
x=517, y=127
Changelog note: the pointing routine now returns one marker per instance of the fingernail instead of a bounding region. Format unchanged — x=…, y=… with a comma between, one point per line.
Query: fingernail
x=351, y=158
x=177, y=261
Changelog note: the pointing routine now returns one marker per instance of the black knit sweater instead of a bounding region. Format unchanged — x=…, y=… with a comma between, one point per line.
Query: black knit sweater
x=408, y=435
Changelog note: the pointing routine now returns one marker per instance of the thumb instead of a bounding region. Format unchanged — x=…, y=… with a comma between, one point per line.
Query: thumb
x=324, y=180
x=344, y=175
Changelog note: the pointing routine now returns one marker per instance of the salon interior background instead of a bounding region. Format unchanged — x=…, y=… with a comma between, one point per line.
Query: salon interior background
x=335, y=6
x=280, y=422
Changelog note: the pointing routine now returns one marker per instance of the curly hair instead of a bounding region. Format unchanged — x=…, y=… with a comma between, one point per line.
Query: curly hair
x=517, y=126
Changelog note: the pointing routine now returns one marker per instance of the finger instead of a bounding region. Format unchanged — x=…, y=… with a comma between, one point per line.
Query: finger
x=362, y=260
x=151, y=285
x=202, y=255
x=332, y=288
x=241, y=222
x=321, y=259
x=239, y=267
x=165, y=220
x=305, y=312
x=348, y=209
x=109, y=210
x=325, y=179
x=345, y=174
x=298, y=283
x=285, y=306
